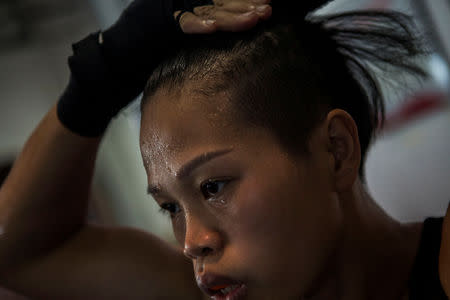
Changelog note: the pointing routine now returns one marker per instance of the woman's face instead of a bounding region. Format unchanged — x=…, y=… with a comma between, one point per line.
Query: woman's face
x=243, y=210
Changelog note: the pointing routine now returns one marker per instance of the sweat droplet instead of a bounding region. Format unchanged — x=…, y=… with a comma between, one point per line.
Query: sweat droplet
x=199, y=265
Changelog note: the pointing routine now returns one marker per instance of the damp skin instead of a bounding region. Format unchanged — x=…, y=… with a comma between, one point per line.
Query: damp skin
x=199, y=267
x=271, y=201
x=281, y=226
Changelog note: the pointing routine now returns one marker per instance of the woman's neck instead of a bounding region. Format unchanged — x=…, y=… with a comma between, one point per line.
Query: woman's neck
x=375, y=255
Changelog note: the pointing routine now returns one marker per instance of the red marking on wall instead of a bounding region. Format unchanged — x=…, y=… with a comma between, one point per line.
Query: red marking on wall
x=419, y=105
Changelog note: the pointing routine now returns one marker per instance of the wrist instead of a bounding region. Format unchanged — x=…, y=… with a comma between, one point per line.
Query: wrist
x=79, y=112
x=110, y=69
x=82, y=107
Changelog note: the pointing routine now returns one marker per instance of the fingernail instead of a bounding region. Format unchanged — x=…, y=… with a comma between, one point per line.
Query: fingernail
x=249, y=13
x=209, y=22
x=262, y=8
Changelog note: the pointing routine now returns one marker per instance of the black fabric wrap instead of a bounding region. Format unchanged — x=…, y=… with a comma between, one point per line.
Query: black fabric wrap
x=106, y=77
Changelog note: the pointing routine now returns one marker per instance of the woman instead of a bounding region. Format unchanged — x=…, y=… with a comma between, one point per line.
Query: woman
x=253, y=142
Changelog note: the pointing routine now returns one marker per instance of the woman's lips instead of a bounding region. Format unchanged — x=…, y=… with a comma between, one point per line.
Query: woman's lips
x=236, y=292
x=221, y=287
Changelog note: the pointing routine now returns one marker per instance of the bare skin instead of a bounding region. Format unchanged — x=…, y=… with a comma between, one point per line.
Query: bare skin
x=76, y=261
x=225, y=15
x=296, y=216
x=273, y=207
x=46, y=249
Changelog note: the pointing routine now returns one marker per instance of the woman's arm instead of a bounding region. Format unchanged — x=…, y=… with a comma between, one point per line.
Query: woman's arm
x=46, y=250
x=44, y=198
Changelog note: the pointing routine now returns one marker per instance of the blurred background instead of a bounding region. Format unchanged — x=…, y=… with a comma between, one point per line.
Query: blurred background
x=408, y=167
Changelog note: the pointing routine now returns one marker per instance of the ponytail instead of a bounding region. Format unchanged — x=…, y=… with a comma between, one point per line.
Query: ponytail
x=288, y=72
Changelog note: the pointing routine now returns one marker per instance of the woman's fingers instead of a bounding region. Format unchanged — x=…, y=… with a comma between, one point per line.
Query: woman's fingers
x=191, y=23
x=234, y=6
x=228, y=15
x=227, y=21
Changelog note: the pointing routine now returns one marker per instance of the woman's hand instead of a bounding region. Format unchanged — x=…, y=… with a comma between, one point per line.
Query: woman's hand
x=225, y=15
x=110, y=69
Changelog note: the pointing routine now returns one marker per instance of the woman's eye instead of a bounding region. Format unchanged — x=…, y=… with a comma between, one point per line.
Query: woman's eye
x=170, y=208
x=212, y=187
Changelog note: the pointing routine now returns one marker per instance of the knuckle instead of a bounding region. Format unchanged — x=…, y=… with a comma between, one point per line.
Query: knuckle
x=204, y=11
x=238, y=6
x=182, y=18
x=219, y=2
x=184, y=21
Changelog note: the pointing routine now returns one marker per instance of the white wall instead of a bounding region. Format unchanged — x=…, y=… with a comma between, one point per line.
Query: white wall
x=408, y=170
x=32, y=77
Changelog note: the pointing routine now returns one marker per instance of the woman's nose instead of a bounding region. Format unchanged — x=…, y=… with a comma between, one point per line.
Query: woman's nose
x=201, y=241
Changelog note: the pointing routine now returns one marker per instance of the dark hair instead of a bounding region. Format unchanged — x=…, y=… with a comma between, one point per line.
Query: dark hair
x=287, y=74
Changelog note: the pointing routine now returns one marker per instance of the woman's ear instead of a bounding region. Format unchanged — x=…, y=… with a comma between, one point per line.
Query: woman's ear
x=344, y=145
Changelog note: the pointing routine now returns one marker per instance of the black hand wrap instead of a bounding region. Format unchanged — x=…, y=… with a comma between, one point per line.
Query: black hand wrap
x=110, y=70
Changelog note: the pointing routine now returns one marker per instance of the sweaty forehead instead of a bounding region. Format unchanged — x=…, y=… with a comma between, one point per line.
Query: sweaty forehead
x=174, y=124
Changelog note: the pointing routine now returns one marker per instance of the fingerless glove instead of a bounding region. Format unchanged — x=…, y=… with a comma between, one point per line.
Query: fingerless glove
x=110, y=69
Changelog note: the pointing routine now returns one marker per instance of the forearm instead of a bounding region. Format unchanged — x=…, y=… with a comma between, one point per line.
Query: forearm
x=44, y=200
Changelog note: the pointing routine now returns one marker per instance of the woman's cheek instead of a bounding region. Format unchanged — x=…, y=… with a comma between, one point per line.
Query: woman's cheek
x=179, y=229
x=254, y=219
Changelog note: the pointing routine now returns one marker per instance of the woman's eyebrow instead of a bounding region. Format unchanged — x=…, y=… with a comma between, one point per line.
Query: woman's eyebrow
x=190, y=166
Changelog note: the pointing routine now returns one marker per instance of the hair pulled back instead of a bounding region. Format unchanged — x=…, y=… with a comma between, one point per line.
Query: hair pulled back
x=288, y=72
